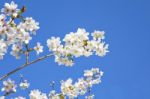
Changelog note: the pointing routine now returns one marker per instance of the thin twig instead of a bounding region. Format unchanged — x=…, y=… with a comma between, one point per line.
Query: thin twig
x=27, y=53
x=24, y=65
x=27, y=57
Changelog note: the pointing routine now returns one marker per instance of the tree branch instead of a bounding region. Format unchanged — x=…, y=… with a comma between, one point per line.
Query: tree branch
x=24, y=65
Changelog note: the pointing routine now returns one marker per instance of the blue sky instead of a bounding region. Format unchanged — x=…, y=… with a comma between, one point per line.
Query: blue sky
x=126, y=23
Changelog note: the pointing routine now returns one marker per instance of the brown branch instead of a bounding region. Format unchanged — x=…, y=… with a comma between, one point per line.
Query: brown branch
x=24, y=65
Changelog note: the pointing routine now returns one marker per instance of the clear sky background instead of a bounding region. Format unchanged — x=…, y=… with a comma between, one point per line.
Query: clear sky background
x=127, y=26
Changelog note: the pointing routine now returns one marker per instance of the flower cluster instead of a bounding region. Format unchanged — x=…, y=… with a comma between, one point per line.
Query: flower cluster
x=91, y=77
x=9, y=86
x=15, y=34
x=68, y=89
x=77, y=44
x=18, y=35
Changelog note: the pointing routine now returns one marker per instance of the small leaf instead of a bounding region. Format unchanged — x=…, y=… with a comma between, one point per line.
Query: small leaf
x=61, y=96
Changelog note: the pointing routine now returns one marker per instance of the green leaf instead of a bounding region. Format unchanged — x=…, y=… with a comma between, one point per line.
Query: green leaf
x=61, y=96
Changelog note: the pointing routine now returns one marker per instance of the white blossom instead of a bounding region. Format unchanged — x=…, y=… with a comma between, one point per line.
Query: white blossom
x=81, y=86
x=10, y=9
x=93, y=76
x=36, y=94
x=98, y=35
x=102, y=49
x=26, y=38
x=16, y=48
x=67, y=88
x=30, y=24
x=77, y=37
x=53, y=43
x=9, y=86
x=24, y=84
x=38, y=48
